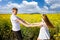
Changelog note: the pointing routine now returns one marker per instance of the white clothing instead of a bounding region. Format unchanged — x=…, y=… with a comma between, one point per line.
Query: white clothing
x=15, y=24
x=44, y=33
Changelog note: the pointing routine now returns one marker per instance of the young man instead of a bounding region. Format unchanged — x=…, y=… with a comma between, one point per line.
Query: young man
x=16, y=21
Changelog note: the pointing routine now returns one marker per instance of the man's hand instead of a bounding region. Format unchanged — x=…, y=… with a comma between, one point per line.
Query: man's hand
x=29, y=25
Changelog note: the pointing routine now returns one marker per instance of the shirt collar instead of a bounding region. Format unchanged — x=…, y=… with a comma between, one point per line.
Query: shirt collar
x=12, y=13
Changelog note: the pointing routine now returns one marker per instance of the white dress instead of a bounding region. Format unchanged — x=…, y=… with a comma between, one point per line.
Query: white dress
x=44, y=33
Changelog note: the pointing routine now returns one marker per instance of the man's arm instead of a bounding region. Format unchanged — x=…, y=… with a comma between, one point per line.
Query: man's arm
x=36, y=24
x=24, y=21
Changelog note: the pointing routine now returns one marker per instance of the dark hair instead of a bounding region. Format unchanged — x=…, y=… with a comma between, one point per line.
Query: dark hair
x=48, y=23
x=15, y=9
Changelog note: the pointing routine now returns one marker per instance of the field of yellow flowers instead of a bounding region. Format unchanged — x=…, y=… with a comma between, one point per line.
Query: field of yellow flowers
x=29, y=33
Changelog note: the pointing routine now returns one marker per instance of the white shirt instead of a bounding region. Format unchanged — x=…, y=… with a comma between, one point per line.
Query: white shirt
x=44, y=33
x=15, y=24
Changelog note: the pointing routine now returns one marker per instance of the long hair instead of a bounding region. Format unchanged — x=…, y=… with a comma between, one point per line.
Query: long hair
x=48, y=23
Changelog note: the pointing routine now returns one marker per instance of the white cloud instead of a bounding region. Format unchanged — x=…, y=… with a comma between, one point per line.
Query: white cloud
x=32, y=7
x=46, y=7
x=54, y=6
x=10, y=5
x=25, y=7
x=53, y=3
x=48, y=1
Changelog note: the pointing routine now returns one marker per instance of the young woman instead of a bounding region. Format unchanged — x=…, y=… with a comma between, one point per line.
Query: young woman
x=44, y=24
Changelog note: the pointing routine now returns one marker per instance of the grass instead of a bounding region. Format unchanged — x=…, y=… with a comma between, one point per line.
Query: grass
x=29, y=33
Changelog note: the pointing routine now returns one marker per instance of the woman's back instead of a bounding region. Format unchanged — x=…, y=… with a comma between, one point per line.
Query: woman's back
x=44, y=32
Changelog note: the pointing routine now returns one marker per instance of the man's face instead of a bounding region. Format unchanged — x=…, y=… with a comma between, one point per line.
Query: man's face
x=14, y=12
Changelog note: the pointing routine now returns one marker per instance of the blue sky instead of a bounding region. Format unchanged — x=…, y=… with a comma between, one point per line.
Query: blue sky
x=4, y=2
x=30, y=6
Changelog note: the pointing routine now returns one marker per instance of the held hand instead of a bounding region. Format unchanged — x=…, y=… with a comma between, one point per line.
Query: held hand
x=30, y=25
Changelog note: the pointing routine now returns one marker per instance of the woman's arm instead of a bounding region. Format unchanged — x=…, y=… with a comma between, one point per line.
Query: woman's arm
x=36, y=24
